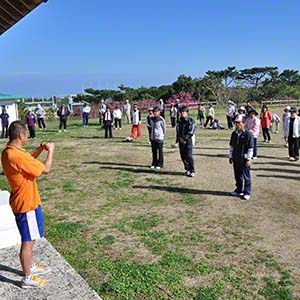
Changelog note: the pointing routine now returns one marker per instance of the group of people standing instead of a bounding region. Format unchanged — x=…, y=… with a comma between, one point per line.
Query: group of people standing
x=185, y=137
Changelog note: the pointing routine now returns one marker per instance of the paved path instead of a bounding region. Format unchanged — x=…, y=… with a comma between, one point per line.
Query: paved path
x=64, y=282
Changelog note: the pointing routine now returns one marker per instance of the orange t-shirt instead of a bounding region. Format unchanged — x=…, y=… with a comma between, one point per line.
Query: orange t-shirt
x=21, y=170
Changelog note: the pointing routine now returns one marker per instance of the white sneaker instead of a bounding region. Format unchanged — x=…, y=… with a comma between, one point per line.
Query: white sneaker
x=33, y=281
x=157, y=167
x=292, y=159
x=187, y=173
x=254, y=157
x=191, y=174
x=152, y=167
x=39, y=269
x=246, y=197
x=59, y=130
x=236, y=194
x=65, y=130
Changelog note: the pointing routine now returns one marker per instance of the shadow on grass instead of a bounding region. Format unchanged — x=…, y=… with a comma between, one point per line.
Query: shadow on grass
x=182, y=190
x=87, y=137
x=263, y=145
x=277, y=170
x=272, y=157
x=212, y=155
x=114, y=164
x=211, y=148
x=147, y=171
x=280, y=177
x=278, y=163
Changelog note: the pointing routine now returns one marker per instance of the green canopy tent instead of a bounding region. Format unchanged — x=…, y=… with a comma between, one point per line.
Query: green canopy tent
x=10, y=103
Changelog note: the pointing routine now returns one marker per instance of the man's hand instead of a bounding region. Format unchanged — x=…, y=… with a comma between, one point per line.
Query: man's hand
x=49, y=147
x=182, y=141
x=248, y=163
x=230, y=161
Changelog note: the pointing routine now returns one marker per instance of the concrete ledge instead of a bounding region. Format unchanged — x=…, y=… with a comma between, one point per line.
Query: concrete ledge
x=64, y=282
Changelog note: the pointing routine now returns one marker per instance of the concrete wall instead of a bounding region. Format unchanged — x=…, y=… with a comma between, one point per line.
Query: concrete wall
x=9, y=233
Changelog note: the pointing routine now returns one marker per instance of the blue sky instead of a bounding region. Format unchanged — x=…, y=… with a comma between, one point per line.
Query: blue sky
x=65, y=46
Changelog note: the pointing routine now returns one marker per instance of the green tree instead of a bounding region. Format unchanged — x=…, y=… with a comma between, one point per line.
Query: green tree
x=184, y=84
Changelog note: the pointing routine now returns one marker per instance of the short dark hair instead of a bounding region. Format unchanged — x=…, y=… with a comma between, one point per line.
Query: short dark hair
x=15, y=128
x=183, y=109
x=155, y=109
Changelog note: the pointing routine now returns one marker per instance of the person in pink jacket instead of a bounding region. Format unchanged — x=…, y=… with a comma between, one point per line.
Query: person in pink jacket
x=252, y=123
x=265, y=120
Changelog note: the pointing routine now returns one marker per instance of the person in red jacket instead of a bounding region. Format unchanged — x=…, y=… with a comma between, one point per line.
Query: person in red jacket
x=265, y=121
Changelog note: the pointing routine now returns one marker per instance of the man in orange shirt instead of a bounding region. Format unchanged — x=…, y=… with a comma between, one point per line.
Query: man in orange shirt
x=21, y=169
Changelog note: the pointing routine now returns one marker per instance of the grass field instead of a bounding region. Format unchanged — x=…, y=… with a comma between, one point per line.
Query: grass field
x=137, y=233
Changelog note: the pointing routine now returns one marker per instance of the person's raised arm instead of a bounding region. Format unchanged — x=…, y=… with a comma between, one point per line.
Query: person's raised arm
x=48, y=162
x=35, y=153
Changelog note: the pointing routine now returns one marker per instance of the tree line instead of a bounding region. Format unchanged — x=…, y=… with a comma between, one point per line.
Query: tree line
x=257, y=84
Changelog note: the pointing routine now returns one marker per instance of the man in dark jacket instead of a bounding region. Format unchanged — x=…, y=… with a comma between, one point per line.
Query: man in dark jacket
x=185, y=131
x=240, y=154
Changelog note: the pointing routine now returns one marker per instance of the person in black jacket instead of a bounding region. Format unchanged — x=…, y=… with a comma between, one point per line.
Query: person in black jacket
x=240, y=153
x=185, y=131
x=107, y=122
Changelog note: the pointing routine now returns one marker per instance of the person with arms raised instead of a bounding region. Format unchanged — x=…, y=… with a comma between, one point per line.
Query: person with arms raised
x=22, y=169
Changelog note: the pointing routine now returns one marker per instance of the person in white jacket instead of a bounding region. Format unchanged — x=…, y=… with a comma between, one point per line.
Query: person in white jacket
x=117, y=114
x=292, y=134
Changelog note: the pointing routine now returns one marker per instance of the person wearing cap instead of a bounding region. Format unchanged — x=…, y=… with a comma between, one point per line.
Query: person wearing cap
x=241, y=114
x=240, y=154
x=210, y=115
x=292, y=134
x=252, y=124
x=40, y=115
x=285, y=117
x=185, y=132
x=265, y=120
x=149, y=116
x=63, y=114
x=4, y=117
x=173, y=115
x=136, y=123
x=158, y=131
x=230, y=111
x=102, y=110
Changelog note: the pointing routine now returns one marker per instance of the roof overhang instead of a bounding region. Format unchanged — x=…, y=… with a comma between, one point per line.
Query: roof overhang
x=12, y=11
